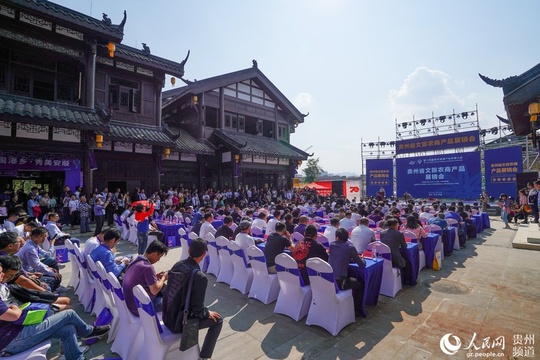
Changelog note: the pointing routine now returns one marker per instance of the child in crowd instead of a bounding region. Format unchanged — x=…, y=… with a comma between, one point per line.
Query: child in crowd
x=504, y=204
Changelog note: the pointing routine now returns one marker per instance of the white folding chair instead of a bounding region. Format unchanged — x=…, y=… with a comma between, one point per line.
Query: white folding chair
x=159, y=341
x=265, y=287
x=127, y=342
x=38, y=352
x=226, y=269
x=125, y=229
x=117, y=222
x=233, y=226
x=331, y=308
x=454, y=223
x=421, y=254
x=243, y=275
x=132, y=230
x=184, y=244
x=391, y=281
x=109, y=300
x=323, y=240
x=296, y=236
x=74, y=278
x=213, y=266
x=85, y=290
x=257, y=232
x=440, y=245
x=95, y=282
x=293, y=299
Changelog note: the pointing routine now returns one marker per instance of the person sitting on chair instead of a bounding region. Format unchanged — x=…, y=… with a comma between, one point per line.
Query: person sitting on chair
x=104, y=254
x=395, y=240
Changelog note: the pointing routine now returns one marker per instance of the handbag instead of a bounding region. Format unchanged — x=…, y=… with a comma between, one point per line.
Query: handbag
x=33, y=313
x=437, y=261
x=190, y=331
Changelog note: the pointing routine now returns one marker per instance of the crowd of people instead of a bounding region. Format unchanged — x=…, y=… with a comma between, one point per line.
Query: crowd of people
x=278, y=214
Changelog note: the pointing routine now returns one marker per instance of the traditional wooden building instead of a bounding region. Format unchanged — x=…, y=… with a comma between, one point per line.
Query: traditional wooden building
x=245, y=117
x=521, y=100
x=79, y=108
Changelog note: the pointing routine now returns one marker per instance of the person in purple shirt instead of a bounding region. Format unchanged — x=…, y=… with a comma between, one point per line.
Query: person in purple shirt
x=141, y=272
x=342, y=251
x=302, y=223
x=99, y=214
x=104, y=254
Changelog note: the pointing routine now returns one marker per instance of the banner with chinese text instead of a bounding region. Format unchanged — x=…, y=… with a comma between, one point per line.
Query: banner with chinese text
x=379, y=174
x=439, y=142
x=501, y=166
x=452, y=176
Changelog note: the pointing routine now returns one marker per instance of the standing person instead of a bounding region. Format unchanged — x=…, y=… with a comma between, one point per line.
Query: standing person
x=174, y=301
x=73, y=210
x=141, y=272
x=342, y=252
x=533, y=200
x=485, y=201
x=84, y=214
x=99, y=214
x=143, y=226
x=308, y=248
x=504, y=204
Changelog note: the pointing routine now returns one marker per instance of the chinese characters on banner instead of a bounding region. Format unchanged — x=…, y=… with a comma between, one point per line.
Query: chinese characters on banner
x=454, y=176
x=379, y=174
x=439, y=142
x=501, y=166
x=37, y=161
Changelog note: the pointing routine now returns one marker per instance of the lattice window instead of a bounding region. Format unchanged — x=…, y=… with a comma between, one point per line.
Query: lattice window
x=21, y=85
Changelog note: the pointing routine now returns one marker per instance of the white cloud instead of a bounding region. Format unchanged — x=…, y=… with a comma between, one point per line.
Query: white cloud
x=423, y=92
x=302, y=101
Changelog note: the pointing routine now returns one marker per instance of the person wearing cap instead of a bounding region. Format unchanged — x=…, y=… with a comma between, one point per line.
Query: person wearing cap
x=308, y=248
x=244, y=239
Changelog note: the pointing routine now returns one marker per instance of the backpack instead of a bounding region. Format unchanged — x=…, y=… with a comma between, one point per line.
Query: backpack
x=31, y=295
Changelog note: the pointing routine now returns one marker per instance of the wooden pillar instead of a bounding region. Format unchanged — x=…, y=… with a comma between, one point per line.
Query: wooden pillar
x=221, y=108
x=202, y=115
x=275, y=122
x=91, y=75
x=88, y=176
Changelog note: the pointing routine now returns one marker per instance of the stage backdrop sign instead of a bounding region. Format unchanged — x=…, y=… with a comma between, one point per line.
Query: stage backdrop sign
x=451, y=176
x=439, y=142
x=501, y=167
x=352, y=190
x=379, y=174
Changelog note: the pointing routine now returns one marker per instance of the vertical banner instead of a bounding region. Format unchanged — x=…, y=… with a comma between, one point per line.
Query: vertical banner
x=501, y=166
x=379, y=176
x=352, y=190
x=451, y=176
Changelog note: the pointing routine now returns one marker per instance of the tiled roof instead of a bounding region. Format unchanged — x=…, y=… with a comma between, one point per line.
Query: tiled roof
x=259, y=145
x=42, y=112
x=71, y=16
x=171, y=67
x=139, y=134
x=187, y=143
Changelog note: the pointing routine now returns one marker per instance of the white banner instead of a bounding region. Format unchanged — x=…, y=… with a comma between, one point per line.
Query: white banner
x=352, y=191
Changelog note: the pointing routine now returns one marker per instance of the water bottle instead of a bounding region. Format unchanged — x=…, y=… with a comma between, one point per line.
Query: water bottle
x=374, y=252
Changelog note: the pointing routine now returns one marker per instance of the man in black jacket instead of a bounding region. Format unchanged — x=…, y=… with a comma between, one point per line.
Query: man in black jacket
x=174, y=300
x=307, y=249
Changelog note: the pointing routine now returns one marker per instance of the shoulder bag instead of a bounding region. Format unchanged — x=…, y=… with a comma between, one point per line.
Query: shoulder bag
x=190, y=331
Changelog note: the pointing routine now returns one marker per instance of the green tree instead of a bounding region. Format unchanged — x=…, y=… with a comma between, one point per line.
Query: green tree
x=312, y=170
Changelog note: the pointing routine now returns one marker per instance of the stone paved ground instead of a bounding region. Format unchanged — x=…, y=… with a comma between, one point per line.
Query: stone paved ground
x=502, y=299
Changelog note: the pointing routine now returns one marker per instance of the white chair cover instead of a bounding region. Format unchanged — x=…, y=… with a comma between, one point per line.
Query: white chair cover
x=226, y=269
x=330, y=308
x=391, y=281
x=38, y=352
x=109, y=300
x=256, y=232
x=184, y=244
x=74, y=278
x=296, y=236
x=265, y=287
x=323, y=240
x=125, y=229
x=158, y=345
x=95, y=282
x=132, y=230
x=127, y=342
x=293, y=299
x=243, y=275
x=213, y=266
x=85, y=289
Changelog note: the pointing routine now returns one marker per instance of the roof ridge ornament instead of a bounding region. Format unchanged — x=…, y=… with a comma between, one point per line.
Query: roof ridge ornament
x=498, y=83
x=108, y=22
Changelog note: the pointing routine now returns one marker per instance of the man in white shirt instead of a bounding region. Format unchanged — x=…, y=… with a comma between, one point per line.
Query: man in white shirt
x=244, y=239
x=362, y=235
x=271, y=226
x=207, y=226
x=93, y=242
x=346, y=222
x=260, y=222
x=330, y=231
x=425, y=214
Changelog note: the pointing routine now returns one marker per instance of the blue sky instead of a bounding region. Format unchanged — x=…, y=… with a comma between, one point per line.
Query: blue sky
x=354, y=65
